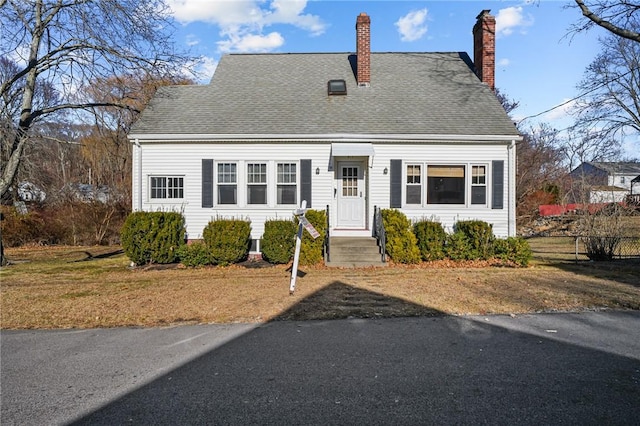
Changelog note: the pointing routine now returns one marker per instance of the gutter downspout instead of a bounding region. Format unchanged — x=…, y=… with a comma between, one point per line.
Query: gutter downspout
x=138, y=150
x=511, y=225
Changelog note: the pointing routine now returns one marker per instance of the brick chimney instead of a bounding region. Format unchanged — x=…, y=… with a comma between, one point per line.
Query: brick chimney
x=484, y=48
x=363, y=50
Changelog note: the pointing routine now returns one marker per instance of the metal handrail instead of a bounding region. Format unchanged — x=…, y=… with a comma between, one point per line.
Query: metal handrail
x=326, y=238
x=379, y=232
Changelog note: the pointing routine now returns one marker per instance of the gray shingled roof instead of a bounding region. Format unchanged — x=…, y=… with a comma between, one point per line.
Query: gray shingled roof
x=618, y=167
x=286, y=94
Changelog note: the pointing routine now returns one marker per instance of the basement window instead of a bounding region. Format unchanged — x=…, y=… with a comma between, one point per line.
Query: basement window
x=337, y=87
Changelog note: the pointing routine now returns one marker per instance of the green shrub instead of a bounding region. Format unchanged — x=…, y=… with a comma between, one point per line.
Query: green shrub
x=228, y=240
x=152, y=237
x=457, y=247
x=311, y=250
x=402, y=245
x=278, y=240
x=431, y=238
x=194, y=254
x=513, y=249
x=479, y=235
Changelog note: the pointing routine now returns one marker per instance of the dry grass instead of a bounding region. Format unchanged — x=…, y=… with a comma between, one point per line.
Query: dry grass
x=62, y=287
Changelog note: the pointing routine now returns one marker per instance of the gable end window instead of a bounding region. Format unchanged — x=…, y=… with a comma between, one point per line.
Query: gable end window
x=164, y=187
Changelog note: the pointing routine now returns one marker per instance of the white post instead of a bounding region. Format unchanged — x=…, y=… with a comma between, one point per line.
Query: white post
x=296, y=257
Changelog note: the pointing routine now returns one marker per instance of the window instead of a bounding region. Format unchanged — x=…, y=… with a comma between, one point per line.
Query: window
x=414, y=187
x=478, y=184
x=227, y=183
x=257, y=183
x=445, y=185
x=287, y=189
x=162, y=187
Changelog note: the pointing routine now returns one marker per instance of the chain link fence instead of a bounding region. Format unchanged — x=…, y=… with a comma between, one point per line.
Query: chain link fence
x=603, y=248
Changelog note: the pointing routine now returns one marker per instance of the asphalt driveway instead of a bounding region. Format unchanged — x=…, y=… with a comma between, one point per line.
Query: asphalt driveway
x=578, y=368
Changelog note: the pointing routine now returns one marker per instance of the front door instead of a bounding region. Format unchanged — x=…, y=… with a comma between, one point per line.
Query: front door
x=351, y=195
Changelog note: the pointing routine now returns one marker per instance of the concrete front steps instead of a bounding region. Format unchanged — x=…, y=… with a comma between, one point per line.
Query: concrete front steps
x=354, y=252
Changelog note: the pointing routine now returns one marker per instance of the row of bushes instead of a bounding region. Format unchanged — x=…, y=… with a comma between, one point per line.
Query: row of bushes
x=158, y=237
x=427, y=240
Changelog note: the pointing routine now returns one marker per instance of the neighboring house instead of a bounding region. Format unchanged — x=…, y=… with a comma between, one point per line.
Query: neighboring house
x=607, y=182
x=420, y=132
x=87, y=193
x=31, y=192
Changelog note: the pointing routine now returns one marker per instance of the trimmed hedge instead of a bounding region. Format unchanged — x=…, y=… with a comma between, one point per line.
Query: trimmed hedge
x=278, y=240
x=479, y=235
x=401, y=244
x=513, y=249
x=431, y=238
x=311, y=250
x=228, y=240
x=194, y=254
x=152, y=237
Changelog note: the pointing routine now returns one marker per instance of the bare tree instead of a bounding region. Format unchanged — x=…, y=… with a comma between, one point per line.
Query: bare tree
x=614, y=16
x=69, y=43
x=539, y=170
x=65, y=45
x=610, y=110
x=106, y=149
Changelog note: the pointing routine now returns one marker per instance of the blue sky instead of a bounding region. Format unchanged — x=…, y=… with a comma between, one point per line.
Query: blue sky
x=538, y=61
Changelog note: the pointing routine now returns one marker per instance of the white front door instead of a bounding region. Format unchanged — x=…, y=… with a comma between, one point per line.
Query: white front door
x=351, y=195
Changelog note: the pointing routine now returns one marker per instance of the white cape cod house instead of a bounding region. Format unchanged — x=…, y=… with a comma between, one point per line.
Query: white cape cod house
x=420, y=132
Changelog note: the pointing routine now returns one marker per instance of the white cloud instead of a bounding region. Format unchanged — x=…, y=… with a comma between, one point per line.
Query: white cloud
x=206, y=67
x=242, y=22
x=251, y=42
x=504, y=62
x=192, y=40
x=413, y=25
x=511, y=19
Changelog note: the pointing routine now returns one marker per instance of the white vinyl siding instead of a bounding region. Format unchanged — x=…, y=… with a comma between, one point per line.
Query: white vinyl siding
x=184, y=158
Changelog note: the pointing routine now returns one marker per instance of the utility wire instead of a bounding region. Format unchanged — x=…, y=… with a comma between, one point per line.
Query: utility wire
x=601, y=85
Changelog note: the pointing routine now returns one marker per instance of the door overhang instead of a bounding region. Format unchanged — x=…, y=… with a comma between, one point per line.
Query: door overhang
x=352, y=150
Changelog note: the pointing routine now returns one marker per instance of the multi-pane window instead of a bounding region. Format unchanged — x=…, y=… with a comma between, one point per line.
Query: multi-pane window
x=414, y=184
x=287, y=189
x=166, y=187
x=446, y=184
x=257, y=183
x=478, y=184
x=227, y=183
x=349, y=181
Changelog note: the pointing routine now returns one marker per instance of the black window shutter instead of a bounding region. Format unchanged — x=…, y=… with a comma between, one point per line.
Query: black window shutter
x=497, y=167
x=305, y=181
x=207, y=183
x=395, y=188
